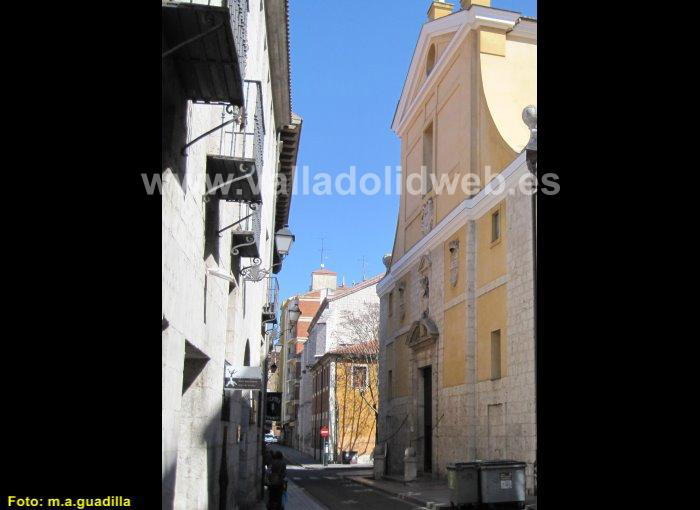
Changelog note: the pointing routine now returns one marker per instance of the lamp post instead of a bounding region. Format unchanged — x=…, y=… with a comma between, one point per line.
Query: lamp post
x=283, y=242
x=530, y=120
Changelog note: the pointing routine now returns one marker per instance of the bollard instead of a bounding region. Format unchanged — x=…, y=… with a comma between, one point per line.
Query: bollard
x=410, y=469
x=379, y=461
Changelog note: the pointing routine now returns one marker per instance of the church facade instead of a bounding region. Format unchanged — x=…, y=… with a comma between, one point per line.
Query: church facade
x=457, y=358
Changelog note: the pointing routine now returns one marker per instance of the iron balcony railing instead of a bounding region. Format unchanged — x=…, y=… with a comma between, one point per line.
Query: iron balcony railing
x=245, y=137
x=239, y=22
x=271, y=301
x=245, y=236
x=208, y=42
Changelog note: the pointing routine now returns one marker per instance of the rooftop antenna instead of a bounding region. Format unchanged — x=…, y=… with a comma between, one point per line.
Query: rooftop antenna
x=364, y=268
x=323, y=251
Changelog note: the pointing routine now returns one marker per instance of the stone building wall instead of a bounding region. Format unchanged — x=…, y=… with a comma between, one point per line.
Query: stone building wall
x=477, y=419
x=190, y=443
x=194, y=468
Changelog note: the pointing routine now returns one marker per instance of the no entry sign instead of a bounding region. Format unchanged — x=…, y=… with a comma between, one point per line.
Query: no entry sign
x=324, y=431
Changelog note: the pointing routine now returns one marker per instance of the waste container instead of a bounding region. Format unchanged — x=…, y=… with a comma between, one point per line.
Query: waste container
x=502, y=481
x=463, y=481
x=348, y=456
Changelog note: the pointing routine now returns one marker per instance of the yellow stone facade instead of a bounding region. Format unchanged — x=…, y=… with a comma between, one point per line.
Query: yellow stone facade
x=457, y=301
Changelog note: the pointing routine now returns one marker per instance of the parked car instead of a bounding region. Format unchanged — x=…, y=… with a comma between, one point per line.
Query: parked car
x=270, y=438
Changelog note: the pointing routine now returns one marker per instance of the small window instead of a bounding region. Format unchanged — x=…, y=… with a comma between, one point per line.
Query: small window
x=495, y=226
x=496, y=354
x=246, y=354
x=430, y=62
x=428, y=158
x=390, y=385
x=359, y=377
x=391, y=304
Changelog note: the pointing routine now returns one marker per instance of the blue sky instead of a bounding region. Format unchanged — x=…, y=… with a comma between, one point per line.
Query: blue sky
x=349, y=62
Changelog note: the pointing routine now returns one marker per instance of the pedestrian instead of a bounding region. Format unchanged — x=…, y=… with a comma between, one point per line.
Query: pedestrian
x=267, y=456
x=278, y=472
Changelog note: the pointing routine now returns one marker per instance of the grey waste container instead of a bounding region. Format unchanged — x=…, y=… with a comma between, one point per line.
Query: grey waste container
x=463, y=481
x=348, y=457
x=502, y=481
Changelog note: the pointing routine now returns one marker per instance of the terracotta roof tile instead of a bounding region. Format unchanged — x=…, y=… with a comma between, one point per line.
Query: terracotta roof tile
x=371, y=347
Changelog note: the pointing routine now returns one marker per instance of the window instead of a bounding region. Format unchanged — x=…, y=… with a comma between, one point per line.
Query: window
x=391, y=303
x=359, y=377
x=211, y=229
x=428, y=158
x=246, y=354
x=194, y=363
x=390, y=385
x=496, y=354
x=495, y=226
x=430, y=61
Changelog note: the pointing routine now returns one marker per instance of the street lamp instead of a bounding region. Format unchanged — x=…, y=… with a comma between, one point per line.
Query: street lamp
x=284, y=239
x=294, y=312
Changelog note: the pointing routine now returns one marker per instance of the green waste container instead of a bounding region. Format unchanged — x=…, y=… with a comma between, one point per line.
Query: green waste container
x=463, y=481
x=502, y=481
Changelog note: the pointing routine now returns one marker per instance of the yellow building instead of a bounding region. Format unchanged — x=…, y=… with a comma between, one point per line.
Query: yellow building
x=457, y=320
x=346, y=378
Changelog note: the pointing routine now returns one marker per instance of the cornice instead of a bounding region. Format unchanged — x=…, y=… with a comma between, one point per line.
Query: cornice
x=469, y=209
x=463, y=22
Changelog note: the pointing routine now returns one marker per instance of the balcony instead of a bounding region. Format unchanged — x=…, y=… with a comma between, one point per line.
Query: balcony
x=269, y=312
x=245, y=236
x=207, y=41
x=234, y=174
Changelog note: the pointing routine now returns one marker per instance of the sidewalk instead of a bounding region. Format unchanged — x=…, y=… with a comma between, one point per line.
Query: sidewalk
x=425, y=492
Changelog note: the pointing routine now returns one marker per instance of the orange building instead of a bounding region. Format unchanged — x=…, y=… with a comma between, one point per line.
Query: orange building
x=346, y=378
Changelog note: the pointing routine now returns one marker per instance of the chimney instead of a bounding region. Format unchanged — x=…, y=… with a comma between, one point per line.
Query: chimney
x=466, y=4
x=438, y=9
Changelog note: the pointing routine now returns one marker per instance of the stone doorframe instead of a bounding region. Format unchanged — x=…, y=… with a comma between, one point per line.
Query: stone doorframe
x=422, y=339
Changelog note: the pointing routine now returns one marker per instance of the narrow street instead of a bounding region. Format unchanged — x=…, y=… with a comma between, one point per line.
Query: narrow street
x=328, y=487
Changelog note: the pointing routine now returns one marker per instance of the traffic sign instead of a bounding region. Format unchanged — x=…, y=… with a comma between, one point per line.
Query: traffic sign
x=324, y=431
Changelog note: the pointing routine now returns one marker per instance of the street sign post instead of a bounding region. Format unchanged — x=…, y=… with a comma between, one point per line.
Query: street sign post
x=324, y=435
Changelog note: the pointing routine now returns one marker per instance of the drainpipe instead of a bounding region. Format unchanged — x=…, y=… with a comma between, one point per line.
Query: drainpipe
x=530, y=119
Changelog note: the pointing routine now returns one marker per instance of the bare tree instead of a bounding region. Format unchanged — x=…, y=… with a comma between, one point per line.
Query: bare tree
x=357, y=375
x=359, y=326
